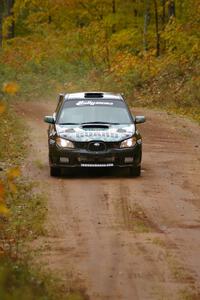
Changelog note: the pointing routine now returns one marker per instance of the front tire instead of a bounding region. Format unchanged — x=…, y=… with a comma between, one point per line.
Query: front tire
x=135, y=171
x=54, y=172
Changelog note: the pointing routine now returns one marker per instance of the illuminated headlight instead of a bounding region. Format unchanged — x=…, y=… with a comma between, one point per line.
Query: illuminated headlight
x=64, y=143
x=128, y=143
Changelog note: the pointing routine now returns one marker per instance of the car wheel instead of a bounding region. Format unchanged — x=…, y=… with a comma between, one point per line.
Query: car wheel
x=54, y=172
x=135, y=171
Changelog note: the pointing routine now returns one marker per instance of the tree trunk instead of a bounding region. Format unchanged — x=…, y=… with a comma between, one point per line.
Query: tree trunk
x=163, y=21
x=171, y=9
x=114, y=12
x=11, y=29
x=163, y=13
x=1, y=21
x=157, y=29
x=146, y=22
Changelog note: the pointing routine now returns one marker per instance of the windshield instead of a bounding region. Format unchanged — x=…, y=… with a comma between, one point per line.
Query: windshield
x=94, y=111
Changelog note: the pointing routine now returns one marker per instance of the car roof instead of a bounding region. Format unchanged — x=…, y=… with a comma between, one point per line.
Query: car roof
x=93, y=95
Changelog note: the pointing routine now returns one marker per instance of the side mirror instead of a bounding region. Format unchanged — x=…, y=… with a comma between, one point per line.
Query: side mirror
x=49, y=119
x=139, y=119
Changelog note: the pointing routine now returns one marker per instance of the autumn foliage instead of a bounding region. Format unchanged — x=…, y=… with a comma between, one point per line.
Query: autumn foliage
x=130, y=46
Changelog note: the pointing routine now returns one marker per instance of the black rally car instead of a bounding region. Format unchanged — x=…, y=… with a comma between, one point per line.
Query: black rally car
x=94, y=129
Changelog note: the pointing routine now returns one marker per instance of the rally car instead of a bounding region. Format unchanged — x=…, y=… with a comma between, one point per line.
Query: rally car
x=94, y=130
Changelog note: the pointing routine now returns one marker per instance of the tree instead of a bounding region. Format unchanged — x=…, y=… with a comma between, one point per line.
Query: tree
x=163, y=12
x=114, y=12
x=11, y=28
x=157, y=28
x=2, y=6
x=171, y=9
x=146, y=22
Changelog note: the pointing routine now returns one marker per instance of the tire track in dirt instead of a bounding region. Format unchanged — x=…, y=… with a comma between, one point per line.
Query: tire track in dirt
x=120, y=237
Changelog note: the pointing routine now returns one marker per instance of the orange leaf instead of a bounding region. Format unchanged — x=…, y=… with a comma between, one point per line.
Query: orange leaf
x=10, y=88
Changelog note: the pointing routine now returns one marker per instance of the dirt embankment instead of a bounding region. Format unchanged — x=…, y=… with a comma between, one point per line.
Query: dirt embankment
x=120, y=237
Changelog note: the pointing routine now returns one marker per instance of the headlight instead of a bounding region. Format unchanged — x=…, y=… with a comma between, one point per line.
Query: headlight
x=128, y=143
x=64, y=143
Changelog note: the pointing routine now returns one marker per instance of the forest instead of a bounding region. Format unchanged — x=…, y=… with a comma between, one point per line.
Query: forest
x=147, y=49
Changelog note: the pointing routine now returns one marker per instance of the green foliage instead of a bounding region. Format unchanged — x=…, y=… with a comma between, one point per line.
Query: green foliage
x=17, y=282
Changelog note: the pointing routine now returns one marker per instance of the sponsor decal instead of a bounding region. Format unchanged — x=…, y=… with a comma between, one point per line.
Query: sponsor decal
x=79, y=134
x=93, y=103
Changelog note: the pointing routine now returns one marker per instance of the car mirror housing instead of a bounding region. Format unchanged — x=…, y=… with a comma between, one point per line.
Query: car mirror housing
x=140, y=119
x=49, y=119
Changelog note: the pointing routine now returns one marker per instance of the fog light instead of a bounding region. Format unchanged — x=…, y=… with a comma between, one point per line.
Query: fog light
x=64, y=160
x=128, y=160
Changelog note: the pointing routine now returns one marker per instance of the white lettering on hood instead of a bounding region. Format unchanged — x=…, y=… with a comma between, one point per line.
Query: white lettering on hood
x=92, y=103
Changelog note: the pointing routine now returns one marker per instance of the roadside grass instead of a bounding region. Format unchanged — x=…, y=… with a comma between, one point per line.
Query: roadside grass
x=22, y=219
x=19, y=280
x=26, y=217
x=12, y=132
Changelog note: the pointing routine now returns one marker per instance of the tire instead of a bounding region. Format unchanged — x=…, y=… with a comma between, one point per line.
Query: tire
x=135, y=171
x=54, y=172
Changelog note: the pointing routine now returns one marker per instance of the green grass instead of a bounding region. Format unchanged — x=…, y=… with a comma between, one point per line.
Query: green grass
x=20, y=281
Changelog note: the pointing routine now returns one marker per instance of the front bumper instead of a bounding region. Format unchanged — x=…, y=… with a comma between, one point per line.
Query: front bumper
x=73, y=158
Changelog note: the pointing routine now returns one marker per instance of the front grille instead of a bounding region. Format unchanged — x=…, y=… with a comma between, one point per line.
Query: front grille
x=97, y=146
x=85, y=145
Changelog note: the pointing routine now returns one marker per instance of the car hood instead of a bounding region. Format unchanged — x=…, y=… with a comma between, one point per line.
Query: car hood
x=106, y=133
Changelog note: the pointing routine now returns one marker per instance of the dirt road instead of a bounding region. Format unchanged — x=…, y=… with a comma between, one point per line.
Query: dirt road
x=120, y=237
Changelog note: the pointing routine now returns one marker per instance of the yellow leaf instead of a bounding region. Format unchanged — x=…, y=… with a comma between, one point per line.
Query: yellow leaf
x=12, y=187
x=13, y=173
x=3, y=209
x=2, y=108
x=10, y=88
